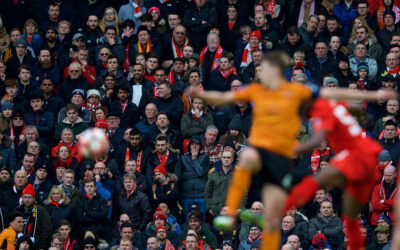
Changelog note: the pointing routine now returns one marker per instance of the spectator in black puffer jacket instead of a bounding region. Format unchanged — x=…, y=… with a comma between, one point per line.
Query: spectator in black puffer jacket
x=194, y=178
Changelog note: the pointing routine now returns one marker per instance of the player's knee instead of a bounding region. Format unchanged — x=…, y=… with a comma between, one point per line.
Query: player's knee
x=248, y=158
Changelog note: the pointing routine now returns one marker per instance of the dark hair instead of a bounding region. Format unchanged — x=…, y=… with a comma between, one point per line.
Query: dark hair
x=134, y=131
x=166, y=83
x=362, y=27
x=112, y=57
x=64, y=223
x=363, y=2
x=159, y=68
x=293, y=30
x=332, y=18
x=89, y=180
x=390, y=123
x=128, y=23
x=194, y=70
x=146, y=18
x=162, y=137
x=161, y=113
x=110, y=27
x=25, y=67
x=83, y=47
x=127, y=224
x=124, y=87
x=36, y=96
x=72, y=106
x=324, y=158
x=10, y=82
x=11, y=216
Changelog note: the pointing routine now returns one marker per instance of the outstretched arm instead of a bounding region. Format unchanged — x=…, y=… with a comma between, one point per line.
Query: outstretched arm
x=346, y=94
x=311, y=143
x=213, y=97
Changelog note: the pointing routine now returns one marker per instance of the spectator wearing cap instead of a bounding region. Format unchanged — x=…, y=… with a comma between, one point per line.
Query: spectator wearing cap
x=128, y=111
x=133, y=203
x=42, y=119
x=79, y=40
x=331, y=82
x=42, y=182
x=92, y=101
x=72, y=121
x=78, y=98
x=165, y=189
x=196, y=121
x=163, y=7
x=384, y=160
x=37, y=222
x=88, y=71
x=165, y=157
x=112, y=41
x=196, y=223
x=384, y=193
x=89, y=242
x=21, y=57
x=160, y=221
x=72, y=82
x=321, y=64
x=194, y=178
x=255, y=234
x=319, y=241
x=327, y=223
x=382, y=234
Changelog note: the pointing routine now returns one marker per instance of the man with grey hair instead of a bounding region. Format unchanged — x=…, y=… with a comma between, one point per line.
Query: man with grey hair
x=257, y=207
x=210, y=56
x=210, y=146
x=75, y=80
x=31, y=134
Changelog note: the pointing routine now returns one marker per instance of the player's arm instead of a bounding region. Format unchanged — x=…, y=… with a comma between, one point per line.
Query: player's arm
x=311, y=143
x=345, y=94
x=214, y=97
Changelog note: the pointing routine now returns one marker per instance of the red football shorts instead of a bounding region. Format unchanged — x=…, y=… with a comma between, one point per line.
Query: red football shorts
x=359, y=168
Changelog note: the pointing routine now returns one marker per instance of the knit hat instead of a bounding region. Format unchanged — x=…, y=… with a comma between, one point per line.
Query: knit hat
x=332, y=80
x=20, y=42
x=160, y=168
x=43, y=166
x=73, y=48
x=156, y=9
x=229, y=143
x=24, y=238
x=195, y=57
x=362, y=66
x=254, y=225
x=300, y=75
x=7, y=105
x=28, y=190
x=101, y=124
x=196, y=214
x=389, y=12
x=161, y=227
x=159, y=215
x=3, y=167
x=235, y=124
x=385, y=218
x=255, y=244
x=382, y=229
x=91, y=92
x=384, y=156
x=255, y=33
x=226, y=242
x=80, y=92
x=89, y=241
x=318, y=240
x=389, y=78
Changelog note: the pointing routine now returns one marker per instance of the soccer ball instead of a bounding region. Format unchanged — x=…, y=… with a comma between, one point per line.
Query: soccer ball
x=93, y=142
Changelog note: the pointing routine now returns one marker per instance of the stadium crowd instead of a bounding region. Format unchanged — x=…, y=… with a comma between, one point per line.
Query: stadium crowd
x=123, y=66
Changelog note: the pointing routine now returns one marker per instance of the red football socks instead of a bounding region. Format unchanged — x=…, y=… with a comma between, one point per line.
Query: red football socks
x=353, y=233
x=302, y=193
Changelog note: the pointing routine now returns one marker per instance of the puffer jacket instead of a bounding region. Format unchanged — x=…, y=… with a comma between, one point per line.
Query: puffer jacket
x=43, y=120
x=191, y=125
x=372, y=66
x=331, y=228
x=194, y=178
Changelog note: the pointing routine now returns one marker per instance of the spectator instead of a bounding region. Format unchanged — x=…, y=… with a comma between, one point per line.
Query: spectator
x=222, y=78
x=41, y=183
x=227, y=236
x=133, y=11
x=112, y=41
x=321, y=63
x=170, y=218
x=255, y=234
x=90, y=210
x=138, y=84
x=162, y=236
x=294, y=240
x=383, y=194
x=111, y=66
x=58, y=206
x=210, y=146
x=382, y=234
x=110, y=18
x=152, y=243
x=72, y=121
x=92, y=31
x=21, y=58
x=363, y=36
x=128, y=234
x=197, y=120
x=390, y=140
x=73, y=81
x=146, y=124
x=308, y=30
x=128, y=111
x=141, y=180
x=88, y=71
x=37, y=223
x=159, y=220
x=133, y=203
x=327, y=223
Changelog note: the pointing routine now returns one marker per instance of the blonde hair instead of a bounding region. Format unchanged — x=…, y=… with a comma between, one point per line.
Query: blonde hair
x=299, y=53
x=64, y=22
x=353, y=28
x=102, y=23
x=30, y=21
x=65, y=198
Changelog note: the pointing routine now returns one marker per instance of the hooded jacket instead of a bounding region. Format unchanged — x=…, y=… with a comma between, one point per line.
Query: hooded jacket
x=195, y=175
x=381, y=202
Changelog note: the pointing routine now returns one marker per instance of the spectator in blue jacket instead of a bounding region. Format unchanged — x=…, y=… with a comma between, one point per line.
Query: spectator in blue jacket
x=45, y=68
x=346, y=11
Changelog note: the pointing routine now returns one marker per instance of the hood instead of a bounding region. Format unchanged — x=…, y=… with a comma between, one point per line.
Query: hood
x=79, y=120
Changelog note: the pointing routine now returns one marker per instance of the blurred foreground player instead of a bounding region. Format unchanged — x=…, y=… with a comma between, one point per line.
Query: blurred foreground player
x=353, y=168
x=275, y=125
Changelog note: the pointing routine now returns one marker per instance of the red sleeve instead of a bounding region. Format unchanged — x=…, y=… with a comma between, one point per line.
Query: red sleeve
x=377, y=206
x=90, y=74
x=322, y=116
x=66, y=72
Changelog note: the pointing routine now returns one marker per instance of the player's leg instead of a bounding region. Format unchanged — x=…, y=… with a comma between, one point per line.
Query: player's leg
x=351, y=210
x=249, y=162
x=274, y=199
x=303, y=192
x=396, y=230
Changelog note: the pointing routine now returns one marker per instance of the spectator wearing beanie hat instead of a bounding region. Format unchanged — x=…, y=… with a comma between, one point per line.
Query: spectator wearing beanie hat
x=159, y=221
x=37, y=223
x=164, y=7
x=384, y=160
x=92, y=101
x=7, y=109
x=362, y=75
x=102, y=124
x=319, y=241
x=243, y=59
x=196, y=223
x=165, y=190
x=162, y=236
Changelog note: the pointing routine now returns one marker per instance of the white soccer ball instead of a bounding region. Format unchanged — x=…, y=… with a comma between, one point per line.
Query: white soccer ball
x=93, y=142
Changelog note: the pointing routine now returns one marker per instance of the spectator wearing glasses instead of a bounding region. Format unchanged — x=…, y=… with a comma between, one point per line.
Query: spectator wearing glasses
x=72, y=82
x=361, y=56
x=101, y=59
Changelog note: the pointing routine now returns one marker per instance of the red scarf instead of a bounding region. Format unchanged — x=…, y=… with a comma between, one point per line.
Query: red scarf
x=382, y=167
x=163, y=1
x=138, y=12
x=171, y=77
x=227, y=75
x=55, y=203
x=148, y=76
x=315, y=157
x=251, y=240
x=90, y=198
x=66, y=164
x=123, y=106
x=269, y=7
x=68, y=245
x=217, y=56
x=164, y=159
x=245, y=56
x=131, y=192
x=362, y=84
x=230, y=25
x=175, y=48
x=394, y=71
x=138, y=159
x=155, y=91
x=141, y=50
x=126, y=64
x=22, y=133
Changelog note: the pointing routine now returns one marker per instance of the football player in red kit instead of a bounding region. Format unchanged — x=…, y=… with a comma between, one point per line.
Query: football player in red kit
x=353, y=168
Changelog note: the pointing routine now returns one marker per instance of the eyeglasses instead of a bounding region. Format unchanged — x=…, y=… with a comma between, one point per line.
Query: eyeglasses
x=74, y=70
x=180, y=33
x=104, y=54
x=18, y=118
x=161, y=231
x=191, y=241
